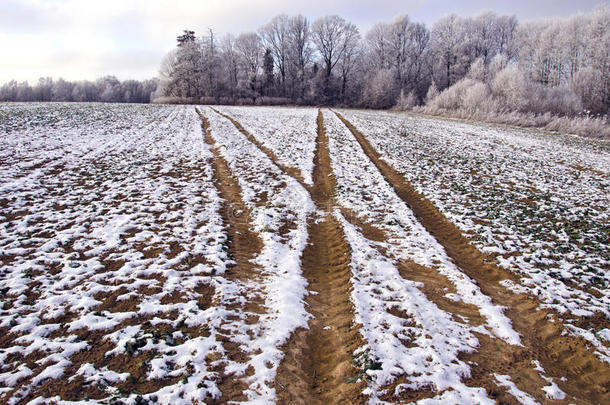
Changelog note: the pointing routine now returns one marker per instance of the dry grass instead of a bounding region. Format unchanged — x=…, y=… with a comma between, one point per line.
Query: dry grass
x=591, y=127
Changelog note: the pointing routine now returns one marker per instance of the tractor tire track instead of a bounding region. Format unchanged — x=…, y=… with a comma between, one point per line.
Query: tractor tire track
x=290, y=171
x=317, y=362
x=244, y=246
x=587, y=377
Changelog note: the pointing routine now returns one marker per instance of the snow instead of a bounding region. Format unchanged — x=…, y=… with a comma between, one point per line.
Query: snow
x=552, y=391
x=435, y=339
x=357, y=177
x=522, y=397
x=536, y=201
x=289, y=132
x=95, y=197
x=283, y=286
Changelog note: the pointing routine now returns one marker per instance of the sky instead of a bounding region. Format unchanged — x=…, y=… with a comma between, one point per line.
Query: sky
x=87, y=39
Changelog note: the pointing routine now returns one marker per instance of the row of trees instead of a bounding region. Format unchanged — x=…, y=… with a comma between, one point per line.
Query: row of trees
x=405, y=63
x=489, y=63
x=560, y=67
x=107, y=89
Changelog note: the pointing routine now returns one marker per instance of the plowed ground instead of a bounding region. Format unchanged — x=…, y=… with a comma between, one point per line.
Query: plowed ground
x=318, y=362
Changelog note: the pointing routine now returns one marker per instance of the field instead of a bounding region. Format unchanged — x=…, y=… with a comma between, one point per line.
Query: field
x=181, y=254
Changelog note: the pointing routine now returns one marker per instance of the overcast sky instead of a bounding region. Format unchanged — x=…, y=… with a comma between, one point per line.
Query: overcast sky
x=87, y=39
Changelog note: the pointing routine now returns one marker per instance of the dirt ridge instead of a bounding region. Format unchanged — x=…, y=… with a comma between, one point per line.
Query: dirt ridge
x=244, y=245
x=291, y=171
x=587, y=377
x=317, y=364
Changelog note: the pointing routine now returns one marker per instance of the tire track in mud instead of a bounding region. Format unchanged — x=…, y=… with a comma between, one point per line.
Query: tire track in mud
x=587, y=377
x=244, y=246
x=494, y=356
x=317, y=362
x=291, y=171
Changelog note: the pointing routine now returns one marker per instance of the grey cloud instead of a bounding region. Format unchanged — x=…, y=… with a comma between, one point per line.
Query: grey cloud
x=139, y=32
x=19, y=17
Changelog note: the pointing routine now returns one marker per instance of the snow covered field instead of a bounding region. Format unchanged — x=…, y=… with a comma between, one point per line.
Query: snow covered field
x=120, y=280
x=290, y=134
x=537, y=202
x=110, y=236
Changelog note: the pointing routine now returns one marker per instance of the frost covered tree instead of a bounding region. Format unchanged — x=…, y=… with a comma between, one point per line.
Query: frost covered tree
x=62, y=90
x=377, y=46
x=402, y=47
x=276, y=38
x=186, y=70
x=250, y=51
x=210, y=65
x=381, y=91
x=432, y=93
x=559, y=66
x=44, y=89
x=230, y=67
x=300, y=51
x=108, y=89
x=448, y=40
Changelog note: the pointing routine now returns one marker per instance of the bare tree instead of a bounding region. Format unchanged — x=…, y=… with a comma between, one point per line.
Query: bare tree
x=447, y=44
x=250, y=50
x=417, y=78
x=299, y=51
x=336, y=41
x=399, y=42
x=276, y=37
x=329, y=36
x=349, y=57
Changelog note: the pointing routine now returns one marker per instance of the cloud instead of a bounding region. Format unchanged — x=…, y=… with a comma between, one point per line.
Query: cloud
x=85, y=39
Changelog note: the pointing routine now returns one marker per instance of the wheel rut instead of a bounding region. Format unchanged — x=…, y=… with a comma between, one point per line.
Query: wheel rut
x=291, y=171
x=587, y=378
x=317, y=363
x=494, y=356
x=243, y=246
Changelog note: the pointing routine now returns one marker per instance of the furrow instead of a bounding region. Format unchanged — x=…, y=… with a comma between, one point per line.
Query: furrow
x=587, y=378
x=244, y=246
x=291, y=171
x=318, y=361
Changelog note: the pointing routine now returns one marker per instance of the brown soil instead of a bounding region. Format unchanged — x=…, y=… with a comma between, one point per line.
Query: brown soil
x=590, y=170
x=587, y=378
x=494, y=356
x=291, y=171
x=244, y=246
x=318, y=360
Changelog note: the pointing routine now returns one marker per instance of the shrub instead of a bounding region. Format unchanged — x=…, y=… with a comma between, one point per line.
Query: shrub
x=405, y=102
x=381, y=91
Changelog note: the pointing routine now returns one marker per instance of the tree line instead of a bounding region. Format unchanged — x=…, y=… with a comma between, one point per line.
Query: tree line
x=485, y=66
x=490, y=62
x=106, y=89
